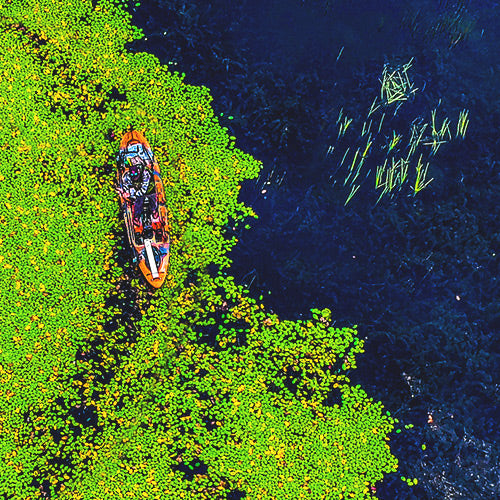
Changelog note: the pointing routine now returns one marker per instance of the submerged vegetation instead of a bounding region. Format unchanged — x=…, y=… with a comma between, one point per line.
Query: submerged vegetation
x=195, y=391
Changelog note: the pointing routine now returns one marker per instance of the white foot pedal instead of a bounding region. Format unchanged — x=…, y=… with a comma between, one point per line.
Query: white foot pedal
x=151, y=259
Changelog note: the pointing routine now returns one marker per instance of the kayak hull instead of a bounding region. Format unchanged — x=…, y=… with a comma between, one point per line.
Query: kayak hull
x=150, y=242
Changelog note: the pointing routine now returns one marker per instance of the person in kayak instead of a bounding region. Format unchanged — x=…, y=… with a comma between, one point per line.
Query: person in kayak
x=138, y=183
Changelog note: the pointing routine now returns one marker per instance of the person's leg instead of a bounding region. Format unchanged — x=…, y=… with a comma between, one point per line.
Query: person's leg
x=153, y=203
x=138, y=209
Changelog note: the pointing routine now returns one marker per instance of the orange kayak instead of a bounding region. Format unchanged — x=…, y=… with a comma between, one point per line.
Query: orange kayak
x=150, y=241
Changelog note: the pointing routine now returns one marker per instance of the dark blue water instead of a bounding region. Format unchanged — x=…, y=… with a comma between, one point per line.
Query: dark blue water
x=417, y=274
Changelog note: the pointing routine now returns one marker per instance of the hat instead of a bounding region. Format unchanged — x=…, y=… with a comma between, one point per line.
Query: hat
x=136, y=164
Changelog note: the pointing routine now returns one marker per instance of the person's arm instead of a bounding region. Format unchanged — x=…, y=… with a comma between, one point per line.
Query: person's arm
x=127, y=186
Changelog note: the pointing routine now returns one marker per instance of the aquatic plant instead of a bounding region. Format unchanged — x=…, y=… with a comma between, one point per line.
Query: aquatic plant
x=451, y=24
x=176, y=406
x=392, y=153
